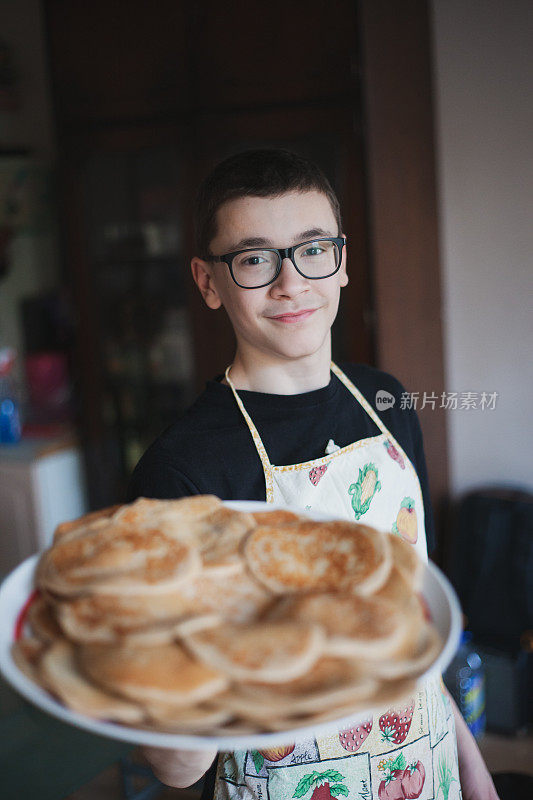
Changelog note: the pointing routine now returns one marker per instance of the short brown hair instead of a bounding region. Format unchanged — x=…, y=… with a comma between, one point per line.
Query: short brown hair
x=256, y=173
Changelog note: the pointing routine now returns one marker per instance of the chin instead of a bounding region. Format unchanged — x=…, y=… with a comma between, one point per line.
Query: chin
x=295, y=350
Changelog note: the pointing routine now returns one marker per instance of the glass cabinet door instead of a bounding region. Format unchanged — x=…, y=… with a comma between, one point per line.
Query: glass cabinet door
x=134, y=229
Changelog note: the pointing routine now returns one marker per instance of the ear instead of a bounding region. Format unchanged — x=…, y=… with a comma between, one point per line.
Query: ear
x=343, y=274
x=203, y=277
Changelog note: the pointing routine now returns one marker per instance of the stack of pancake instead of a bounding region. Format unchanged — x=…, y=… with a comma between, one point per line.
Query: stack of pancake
x=188, y=616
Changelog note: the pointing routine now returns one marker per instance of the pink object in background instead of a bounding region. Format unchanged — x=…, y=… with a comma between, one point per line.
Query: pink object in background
x=48, y=386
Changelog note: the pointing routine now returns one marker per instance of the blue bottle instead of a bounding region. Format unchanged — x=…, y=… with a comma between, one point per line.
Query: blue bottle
x=10, y=428
x=465, y=679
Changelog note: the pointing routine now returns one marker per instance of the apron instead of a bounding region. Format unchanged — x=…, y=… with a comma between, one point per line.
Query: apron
x=409, y=751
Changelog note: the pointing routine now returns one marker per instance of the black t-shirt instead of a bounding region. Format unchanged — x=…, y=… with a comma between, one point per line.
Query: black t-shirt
x=209, y=450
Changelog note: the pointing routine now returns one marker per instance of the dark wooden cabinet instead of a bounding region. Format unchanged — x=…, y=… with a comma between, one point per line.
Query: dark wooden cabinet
x=277, y=53
x=118, y=61
x=134, y=60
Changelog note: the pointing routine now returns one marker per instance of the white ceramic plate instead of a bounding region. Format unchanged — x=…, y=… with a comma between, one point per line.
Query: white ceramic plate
x=18, y=586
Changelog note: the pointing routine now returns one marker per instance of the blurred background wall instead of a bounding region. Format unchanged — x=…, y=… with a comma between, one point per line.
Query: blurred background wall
x=483, y=80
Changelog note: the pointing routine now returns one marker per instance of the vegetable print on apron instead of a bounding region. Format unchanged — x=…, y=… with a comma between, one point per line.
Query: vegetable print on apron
x=395, y=753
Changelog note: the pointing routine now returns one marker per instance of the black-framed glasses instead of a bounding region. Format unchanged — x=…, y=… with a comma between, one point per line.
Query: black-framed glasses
x=256, y=267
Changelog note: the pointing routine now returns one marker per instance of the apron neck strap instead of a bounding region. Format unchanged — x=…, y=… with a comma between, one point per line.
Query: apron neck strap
x=360, y=398
x=260, y=447
x=340, y=375
x=267, y=466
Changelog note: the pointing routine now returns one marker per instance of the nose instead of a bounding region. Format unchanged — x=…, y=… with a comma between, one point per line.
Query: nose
x=289, y=281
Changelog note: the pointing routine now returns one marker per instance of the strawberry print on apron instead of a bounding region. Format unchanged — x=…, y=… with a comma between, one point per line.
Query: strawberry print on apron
x=408, y=751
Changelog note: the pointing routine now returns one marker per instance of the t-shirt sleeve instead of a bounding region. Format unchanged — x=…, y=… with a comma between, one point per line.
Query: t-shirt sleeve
x=156, y=477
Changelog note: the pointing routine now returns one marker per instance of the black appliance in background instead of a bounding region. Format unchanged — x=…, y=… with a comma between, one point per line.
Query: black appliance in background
x=46, y=322
x=491, y=568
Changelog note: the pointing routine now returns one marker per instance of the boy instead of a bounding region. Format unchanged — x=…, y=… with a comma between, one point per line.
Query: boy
x=286, y=425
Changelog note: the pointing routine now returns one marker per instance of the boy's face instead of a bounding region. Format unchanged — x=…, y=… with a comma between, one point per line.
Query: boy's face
x=291, y=318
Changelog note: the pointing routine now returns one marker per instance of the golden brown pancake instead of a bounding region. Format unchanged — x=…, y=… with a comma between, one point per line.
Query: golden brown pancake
x=27, y=653
x=161, y=633
x=173, y=515
x=219, y=536
x=106, y=618
x=271, y=651
x=168, y=631
x=42, y=620
x=355, y=626
x=164, y=674
x=423, y=650
x=390, y=693
x=59, y=672
x=318, y=556
x=329, y=682
x=276, y=517
x=117, y=559
x=396, y=589
x=237, y=598
x=65, y=529
x=406, y=559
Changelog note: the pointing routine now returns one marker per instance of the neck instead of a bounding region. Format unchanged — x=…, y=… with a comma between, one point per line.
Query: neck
x=262, y=373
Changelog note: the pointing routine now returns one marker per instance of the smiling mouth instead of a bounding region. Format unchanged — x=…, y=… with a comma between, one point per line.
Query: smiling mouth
x=295, y=316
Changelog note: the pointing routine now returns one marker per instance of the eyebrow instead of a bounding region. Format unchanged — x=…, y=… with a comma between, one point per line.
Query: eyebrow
x=261, y=241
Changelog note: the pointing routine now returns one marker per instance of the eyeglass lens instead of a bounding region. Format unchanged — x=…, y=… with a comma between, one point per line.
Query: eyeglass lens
x=317, y=259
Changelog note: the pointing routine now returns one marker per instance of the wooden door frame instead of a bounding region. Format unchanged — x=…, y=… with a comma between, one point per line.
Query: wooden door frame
x=396, y=73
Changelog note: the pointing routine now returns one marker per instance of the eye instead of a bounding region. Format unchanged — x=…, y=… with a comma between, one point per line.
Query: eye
x=313, y=250
x=252, y=261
